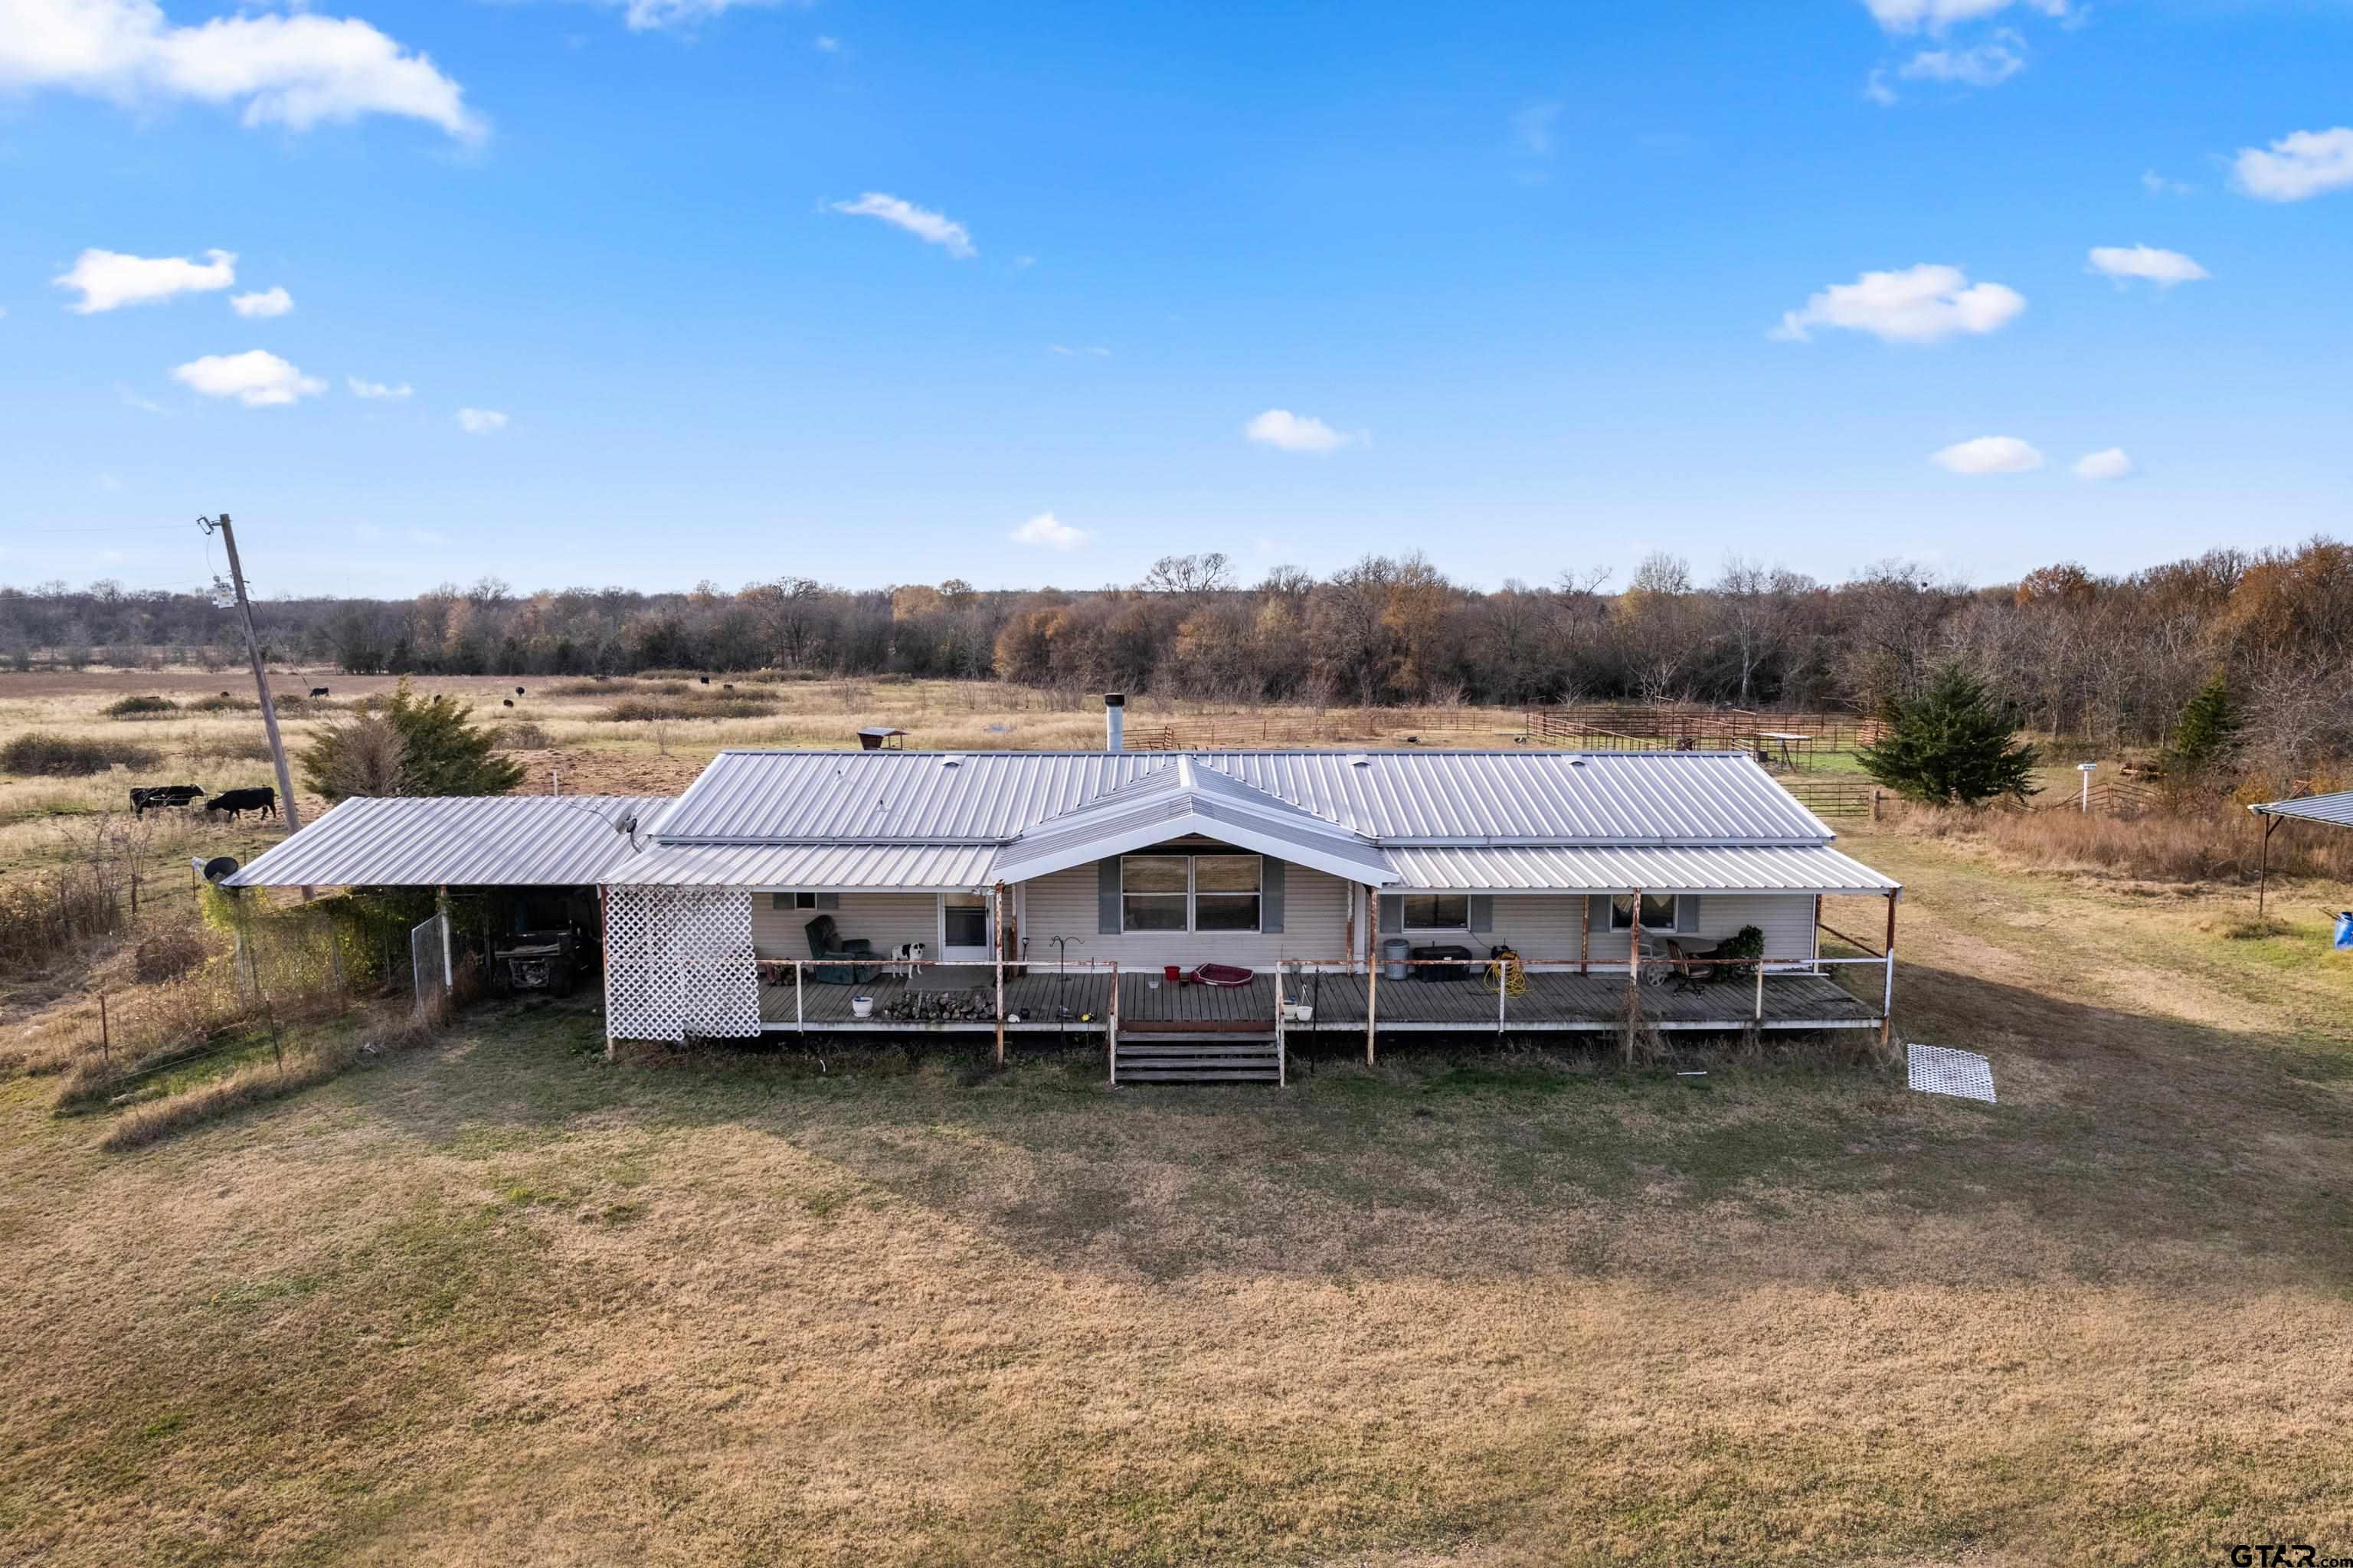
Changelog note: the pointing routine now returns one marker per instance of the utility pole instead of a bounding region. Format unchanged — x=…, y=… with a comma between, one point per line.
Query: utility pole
x=261, y=676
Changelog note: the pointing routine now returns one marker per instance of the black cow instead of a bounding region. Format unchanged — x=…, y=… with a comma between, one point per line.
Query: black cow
x=518, y=690
x=706, y=679
x=163, y=795
x=728, y=686
x=263, y=800
x=506, y=702
x=318, y=691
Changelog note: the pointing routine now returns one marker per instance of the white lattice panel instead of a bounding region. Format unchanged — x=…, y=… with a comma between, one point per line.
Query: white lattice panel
x=1940, y=1070
x=679, y=961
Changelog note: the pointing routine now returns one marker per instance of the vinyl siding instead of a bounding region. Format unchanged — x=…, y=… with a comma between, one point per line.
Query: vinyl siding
x=1544, y=927
x=885, y=919
x=1315, y=926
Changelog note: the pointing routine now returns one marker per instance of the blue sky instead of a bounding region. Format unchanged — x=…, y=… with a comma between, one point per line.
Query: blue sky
x=684, y=289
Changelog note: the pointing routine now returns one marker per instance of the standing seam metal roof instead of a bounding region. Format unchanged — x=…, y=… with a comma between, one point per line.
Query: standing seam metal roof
x=1464, y=797
x=471, y=841
x=2336, y=809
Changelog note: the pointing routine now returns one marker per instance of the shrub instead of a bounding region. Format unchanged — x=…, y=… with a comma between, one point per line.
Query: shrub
x=719, y=705
x=167, y=955
x=61, y=756
x=441, y=750
x=522, y=736
x=141, y=707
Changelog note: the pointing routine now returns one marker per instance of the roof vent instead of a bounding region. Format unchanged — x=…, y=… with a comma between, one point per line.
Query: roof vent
x=1358, y=759
x=1577, y=762
x=951, y=760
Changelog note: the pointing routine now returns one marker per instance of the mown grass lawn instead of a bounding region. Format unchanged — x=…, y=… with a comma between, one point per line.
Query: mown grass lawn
x=502, y=1301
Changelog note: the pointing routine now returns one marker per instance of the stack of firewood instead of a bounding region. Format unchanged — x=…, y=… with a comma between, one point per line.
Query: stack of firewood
x=939, y=1007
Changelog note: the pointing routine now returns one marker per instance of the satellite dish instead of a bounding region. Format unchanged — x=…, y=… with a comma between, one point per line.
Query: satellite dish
x=220, y=868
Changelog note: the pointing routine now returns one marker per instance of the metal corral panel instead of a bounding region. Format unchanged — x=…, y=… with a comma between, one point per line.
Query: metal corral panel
x=934, y=868
x=474, y=840
x=2336, y=809
x=1771, y=870
x=1464, y=797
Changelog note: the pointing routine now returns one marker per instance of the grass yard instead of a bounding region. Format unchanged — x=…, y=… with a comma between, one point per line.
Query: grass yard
x=500, y=1302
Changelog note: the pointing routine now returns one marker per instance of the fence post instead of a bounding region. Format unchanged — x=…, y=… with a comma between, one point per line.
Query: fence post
x=105, y=1036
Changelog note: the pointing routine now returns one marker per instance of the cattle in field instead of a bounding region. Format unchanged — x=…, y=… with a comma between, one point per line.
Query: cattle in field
x=728, y=686
x=706, y=679
x=506, y=702
x=318, y=691
x=518, y=690
x=163, y=795
x=262, y=799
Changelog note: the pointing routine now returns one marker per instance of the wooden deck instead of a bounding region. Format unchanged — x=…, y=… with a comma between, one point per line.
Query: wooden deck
x=1080, y=1002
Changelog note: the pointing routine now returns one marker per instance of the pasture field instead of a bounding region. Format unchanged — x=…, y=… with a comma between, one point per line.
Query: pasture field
x=495, y=1300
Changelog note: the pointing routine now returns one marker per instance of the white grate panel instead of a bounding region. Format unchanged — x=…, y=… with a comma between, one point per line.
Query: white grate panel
x=1938, y=1070
x=679, y=961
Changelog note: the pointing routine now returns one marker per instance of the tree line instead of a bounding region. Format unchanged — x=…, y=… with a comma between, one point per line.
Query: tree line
x=2109, y=660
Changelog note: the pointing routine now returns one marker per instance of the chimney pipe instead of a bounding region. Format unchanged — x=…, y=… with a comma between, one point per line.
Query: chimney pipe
x=1114, y=721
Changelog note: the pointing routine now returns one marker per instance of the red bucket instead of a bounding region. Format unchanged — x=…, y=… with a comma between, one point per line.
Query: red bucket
x=1171, y=973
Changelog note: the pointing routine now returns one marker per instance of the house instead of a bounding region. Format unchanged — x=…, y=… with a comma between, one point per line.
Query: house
x=1361, y=894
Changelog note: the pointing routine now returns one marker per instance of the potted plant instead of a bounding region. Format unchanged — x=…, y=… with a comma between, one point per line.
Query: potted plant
x=861, y=1007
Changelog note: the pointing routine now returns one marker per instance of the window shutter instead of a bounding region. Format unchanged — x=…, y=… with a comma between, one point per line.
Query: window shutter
x=1483, y=912
x=1598, y=919
x=829, y=900
x=1686, y=914
x=1392, y=912
x=1107, y=896
x=1270, y=894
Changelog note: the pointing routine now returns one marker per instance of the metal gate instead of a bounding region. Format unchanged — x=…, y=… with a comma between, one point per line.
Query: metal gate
x=428, y=964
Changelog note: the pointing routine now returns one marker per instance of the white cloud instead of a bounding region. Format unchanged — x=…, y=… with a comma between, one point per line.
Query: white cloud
x=256, y=378
x=1936, y=16
x=2111, y=464
x=2299, y=165
x=932, y=227
x=1989, y=454
x=2156, y=184
x=107, y=279
x=2163, y=267
x=1877, y=91
x=1926, y=303
x=267, y=302
x=1532, y=128
x=481, y=421
x=828, y=44
x=1982, y=65
x=645, y=16
x=1292, y=433
x=1084, y=351
x=1050, y=532
x=376, y=388
x=294, y=69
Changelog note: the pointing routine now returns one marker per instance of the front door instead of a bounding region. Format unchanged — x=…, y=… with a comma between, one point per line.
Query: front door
x=964, y=928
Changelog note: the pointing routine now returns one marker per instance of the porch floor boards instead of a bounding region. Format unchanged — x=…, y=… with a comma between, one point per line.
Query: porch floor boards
x=1554, y=1000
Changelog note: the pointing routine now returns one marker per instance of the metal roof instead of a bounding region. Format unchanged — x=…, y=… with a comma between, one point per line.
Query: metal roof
x=1775, y=869
x=474, y=840
x=1420, y=796
x=1187, y=798
x=2336, y=809
x=933, y=868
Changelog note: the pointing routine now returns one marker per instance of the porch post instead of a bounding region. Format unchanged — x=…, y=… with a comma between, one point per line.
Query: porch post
x=1887, y=997
x=605, y=958
x=1760, y=988
x=1110, y=1030
x=441, y=907
x=1281, y=1045
x=996, y=898
x=2263, y=885
x=1634, y=950
x=1503, y=989
x=1585, y=935
x=1372, y=1007
x=800, y=1019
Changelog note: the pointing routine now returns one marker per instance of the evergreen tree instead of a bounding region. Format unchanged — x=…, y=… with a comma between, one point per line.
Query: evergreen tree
x=2208, y=731
x=1952, y=745
x=419, y=746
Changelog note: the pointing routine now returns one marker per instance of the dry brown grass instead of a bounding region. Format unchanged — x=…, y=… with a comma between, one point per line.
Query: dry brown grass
x=2218, y=842
x=500, y=1302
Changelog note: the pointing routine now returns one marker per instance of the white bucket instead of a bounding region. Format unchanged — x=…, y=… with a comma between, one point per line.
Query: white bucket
x=861, y=1007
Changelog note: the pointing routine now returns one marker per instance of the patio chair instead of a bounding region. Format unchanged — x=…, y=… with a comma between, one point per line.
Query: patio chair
x=827, y=942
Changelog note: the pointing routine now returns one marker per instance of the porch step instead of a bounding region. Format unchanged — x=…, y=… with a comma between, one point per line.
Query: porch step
x=1198, y=1059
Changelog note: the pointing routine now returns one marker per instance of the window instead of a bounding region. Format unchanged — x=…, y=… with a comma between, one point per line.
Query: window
x=1225, y=892
x=1658, y=912
x=1437, y=911
x=792, y=900
x=1189, y=893
x=1154, y=890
